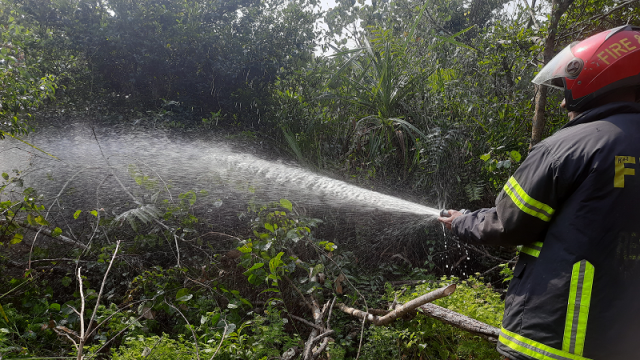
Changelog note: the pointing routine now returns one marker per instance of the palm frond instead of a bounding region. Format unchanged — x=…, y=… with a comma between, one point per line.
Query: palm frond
x=145, y=214
x=293, y=144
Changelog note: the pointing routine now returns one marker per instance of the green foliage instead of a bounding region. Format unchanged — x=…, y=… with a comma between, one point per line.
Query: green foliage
x=268, y=256
x=262, y=337
x=427, y=338
x=498, y=167
x=23, y=88
x=20, y=208
x=378, y=83
x=158, y=347
x=204, y=56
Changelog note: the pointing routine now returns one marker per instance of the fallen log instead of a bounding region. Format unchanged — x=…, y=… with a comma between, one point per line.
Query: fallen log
x=460, y=321
x=423, y=305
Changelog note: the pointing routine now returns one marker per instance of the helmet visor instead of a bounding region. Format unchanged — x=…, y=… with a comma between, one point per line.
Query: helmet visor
x=556, y=69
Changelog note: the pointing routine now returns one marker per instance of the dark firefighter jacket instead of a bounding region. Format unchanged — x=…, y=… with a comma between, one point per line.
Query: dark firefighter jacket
x=574, y=205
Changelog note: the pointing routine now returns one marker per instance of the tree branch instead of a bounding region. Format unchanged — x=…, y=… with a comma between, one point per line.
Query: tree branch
x=596, y=17
x=401, y=310
x=59, y=237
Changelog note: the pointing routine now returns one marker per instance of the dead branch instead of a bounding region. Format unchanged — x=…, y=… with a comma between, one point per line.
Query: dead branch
x=316, y=353
x=317, y=317
x=461, y=321
x=195, y=338
x=224, y=333
x=104, y=281
x=84, y=336
x=459, y=261
x=309, y=305
x=401, y=310
x=323, y=335
x=485, y=253
x=59, y=237
x=308, y=323
x=532, y=14
x=320, y=330
x=81, y=341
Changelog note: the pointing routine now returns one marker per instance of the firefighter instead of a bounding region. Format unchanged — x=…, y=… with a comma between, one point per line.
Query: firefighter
x=574, y=206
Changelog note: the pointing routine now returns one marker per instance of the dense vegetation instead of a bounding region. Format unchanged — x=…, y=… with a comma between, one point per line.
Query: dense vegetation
x=431, y=99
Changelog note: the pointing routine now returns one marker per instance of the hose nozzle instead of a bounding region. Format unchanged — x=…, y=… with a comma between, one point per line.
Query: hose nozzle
x=445, y=212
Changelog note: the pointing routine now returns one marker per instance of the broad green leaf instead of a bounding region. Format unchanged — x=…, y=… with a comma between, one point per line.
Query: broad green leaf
x=269, y=227
x=94, y=213
x=231, y=327
x=76, y=214
x=54, y=307
x=485, y=157
x=183, y=293
x=57, y=231
x=17, y=238
x=275, y=262
x=5, y=176
x=246, y=248
x=41, y=221
x=254, y=267
x=329, y=246
x=185, y=298
x=515, y=156
x=286, y=204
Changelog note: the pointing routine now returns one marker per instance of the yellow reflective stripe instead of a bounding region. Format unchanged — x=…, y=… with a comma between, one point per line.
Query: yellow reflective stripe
x=526, y=203
x=532, y=249
x=534, y=349
x=575, y=328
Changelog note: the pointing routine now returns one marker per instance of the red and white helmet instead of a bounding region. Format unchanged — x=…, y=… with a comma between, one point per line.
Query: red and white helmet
x=588, y=69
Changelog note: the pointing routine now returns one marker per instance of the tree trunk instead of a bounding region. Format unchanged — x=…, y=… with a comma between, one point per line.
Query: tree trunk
x=539, y=119
x=559, y=7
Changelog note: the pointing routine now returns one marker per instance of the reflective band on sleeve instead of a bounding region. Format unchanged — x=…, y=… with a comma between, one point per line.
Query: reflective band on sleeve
x=532, y=249
x=534, y=349
x=526, y=203
x=575, y=328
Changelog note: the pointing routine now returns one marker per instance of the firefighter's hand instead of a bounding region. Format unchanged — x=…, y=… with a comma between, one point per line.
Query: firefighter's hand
x=447, y=221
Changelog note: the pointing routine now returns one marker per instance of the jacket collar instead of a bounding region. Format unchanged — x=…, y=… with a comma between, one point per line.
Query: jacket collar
x=603, y=112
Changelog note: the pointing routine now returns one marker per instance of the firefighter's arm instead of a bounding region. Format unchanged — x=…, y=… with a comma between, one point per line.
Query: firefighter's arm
x=523, y=209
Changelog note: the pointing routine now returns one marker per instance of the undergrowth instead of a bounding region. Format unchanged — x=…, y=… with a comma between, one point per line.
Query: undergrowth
x=173, y=294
